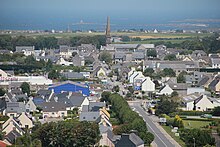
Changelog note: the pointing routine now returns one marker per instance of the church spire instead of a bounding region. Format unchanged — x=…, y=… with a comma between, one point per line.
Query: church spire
x=107, y=33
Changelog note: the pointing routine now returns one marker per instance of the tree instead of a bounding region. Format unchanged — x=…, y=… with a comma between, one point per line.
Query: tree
x=125, y=38
x=105, y=56
x=148, y=72
x=116, y=89
x=197, y=136
x=216, y=111
x=67, y=133
x=2, y=92
x=174, y=94
x=151, y=53
x=25, y=87
x=178, y=122
x=181, y=77
x=170, y=57
x=168, y=72
x=166, y=107
x=53, y=74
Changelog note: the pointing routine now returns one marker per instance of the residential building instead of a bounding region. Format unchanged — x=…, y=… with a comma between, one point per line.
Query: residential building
x=14, y=109
x=129, y=140
x=25, y=121
x=147, y=85
x=53, y=110
x=197, y=102
x=165, y=90
x=26, y=50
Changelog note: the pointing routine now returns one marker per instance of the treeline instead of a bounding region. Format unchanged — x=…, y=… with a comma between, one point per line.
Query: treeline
x=129, y=120
x=209, y=44
x=8, y=42
x=61, y=134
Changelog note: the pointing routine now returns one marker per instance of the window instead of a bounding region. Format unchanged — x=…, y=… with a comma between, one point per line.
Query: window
x=84, y=118
x=94, y=117
x=198, y=107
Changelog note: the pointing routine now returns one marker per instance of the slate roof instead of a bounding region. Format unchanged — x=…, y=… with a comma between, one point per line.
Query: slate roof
x=191, y=97
x=72, y=75
x=69, y=99
x=138, y=55
x=120, y=55
x=129, y=140
x=95, y=106
x=15, y=107
x=2, y=104
x=53, y=106
x=214, y=83
x=10, y=137
x=203, y=81
x=215, y=61
x=26, y=48
x=178, y=86
x=76, y=99
x=43, y=93
x=38, y=101
x=89, y=116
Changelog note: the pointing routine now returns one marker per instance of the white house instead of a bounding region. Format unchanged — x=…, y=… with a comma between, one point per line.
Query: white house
x=61, y=61
x=215, y=62
x=30, y=106
x=135, y=75
x=147, y=85
x=165, y=90
x=3, y=73
x=10, y=125
x=25, y=121
x=53, y=110
x=197, y=102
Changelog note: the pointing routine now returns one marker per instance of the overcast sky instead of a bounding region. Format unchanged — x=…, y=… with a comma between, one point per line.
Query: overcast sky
x=36, y=11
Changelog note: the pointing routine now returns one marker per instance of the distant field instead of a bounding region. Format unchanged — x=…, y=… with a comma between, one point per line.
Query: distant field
x=132, y=35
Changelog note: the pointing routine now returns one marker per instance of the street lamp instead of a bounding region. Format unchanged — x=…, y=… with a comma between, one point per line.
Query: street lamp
x=194, y=142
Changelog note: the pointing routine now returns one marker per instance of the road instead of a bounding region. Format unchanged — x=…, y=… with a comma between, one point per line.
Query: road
x=160, y=139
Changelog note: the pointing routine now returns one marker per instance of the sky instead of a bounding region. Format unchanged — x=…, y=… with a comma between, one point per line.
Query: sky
x=54, y=12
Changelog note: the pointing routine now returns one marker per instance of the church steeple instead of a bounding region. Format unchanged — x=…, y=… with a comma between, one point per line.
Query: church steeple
x=107, y=33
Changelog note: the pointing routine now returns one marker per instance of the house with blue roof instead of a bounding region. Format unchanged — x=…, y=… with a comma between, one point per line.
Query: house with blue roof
x=69, y=86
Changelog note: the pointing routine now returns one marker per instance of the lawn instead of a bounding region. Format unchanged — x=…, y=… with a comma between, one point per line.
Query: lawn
x=195, y=124
x=176, y=138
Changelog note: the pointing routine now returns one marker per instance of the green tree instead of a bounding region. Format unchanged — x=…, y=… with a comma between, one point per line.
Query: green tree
x=105, y=56
x=2, y=92
x=216, y=111
x=148, y=72
x=181, y=77
x=168, y=72
x=151, y=53
x=200, y=137
x=170, y=57
x=166, y=107
x=67, y=133
x=116, y=89
x=125, y=38
x=25, y=87
x=53, y=74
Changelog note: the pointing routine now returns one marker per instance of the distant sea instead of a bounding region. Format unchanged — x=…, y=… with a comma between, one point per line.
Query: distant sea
x=85, y=25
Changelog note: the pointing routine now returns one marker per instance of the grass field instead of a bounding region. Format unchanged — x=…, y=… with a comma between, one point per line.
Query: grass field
x=195, y=124
x=133, y=35
x=176, y=138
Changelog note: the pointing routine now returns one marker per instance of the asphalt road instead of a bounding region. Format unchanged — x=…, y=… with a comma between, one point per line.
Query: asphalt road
x=159, y=138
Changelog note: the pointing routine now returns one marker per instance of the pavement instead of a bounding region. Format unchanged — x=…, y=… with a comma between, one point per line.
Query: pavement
x=162, y=138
